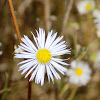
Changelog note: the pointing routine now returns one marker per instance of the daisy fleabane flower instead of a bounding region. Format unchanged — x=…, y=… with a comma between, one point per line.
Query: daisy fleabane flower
x=85, y=6
x=79, y=74
x=40, y=58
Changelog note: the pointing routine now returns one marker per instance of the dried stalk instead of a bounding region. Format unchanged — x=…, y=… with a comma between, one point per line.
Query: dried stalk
x=47, y=14
x=67, y=13
x=23, y=6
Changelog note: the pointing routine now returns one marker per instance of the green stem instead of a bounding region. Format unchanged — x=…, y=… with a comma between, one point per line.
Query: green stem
x=65, y=88
x=73, y=93
x=5, y=87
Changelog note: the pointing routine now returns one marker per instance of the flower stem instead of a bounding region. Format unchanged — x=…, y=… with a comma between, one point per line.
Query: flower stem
x=65, y=88
x=73, y=93
x=15, y=21
x=29, y=88
x=19, y=38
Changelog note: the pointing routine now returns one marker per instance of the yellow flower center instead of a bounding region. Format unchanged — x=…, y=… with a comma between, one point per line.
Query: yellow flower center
x=43, y=56
x=88, y=7
x=78, y=71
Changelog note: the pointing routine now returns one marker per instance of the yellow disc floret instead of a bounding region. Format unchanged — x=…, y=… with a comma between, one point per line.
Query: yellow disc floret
x=43, y=56
x=78, y=71
x=88, y=7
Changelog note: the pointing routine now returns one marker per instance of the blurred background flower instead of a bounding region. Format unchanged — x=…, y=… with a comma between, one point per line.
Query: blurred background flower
x=85, y=6
x=1, y=52
x=79, y=73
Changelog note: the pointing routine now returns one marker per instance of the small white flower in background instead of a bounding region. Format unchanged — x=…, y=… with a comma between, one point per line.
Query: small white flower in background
x=97, y=60
x=17, y=50
x=79, y=74
x=42, y=57
x=1, y=52
x=96, y=15
x=85, y=6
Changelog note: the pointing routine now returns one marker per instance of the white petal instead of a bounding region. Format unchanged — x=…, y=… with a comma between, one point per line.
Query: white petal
x=42, y=80
x=30, y=70
x=61, y=52
x=40, y=75
x=48, y=38
x=74, y=80
x=60, y=62
x=25, y=61
x=26, y=69
x=49, y=74
x=59, y=67
x=26, y=43
x=27, y=65
x=26, y=48
x=59, y=45
x=56, y=41
x=30, y=43
x=73, y=64
x=23, y=56
x=52, y=40
x=34, y=73
x=54, y=72
x=35, y=40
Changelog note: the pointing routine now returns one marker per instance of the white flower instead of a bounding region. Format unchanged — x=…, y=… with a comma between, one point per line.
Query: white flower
x=96, y=15
x=97, y=60
x=85, y=6
x=0, y=44
x=42, y=57
x=98, y=33
x=1, y=52
x=80, y=73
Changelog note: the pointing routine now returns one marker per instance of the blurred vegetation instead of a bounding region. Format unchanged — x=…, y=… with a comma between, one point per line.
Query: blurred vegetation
x=59, y=15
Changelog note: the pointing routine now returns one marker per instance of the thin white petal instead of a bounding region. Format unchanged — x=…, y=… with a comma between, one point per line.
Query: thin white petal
x=30, y=42
x=40, y=75
x=59, y=67
x=63, y=63
x=48, y=38
x=24, y=56
x=30, y=70
x=52, y=39
x=54, y=72
x=57, y=45
x=35, y=40
x=26, y=48
x=49, y=74
x=27, y=44
x=27, y=65
x=26, y=69
x=25, y=61
x=56, y=41
x=34, y=73
x=61, y=52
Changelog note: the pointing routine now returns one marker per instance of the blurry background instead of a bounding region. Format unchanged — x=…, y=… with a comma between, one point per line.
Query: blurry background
x=63, y=17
